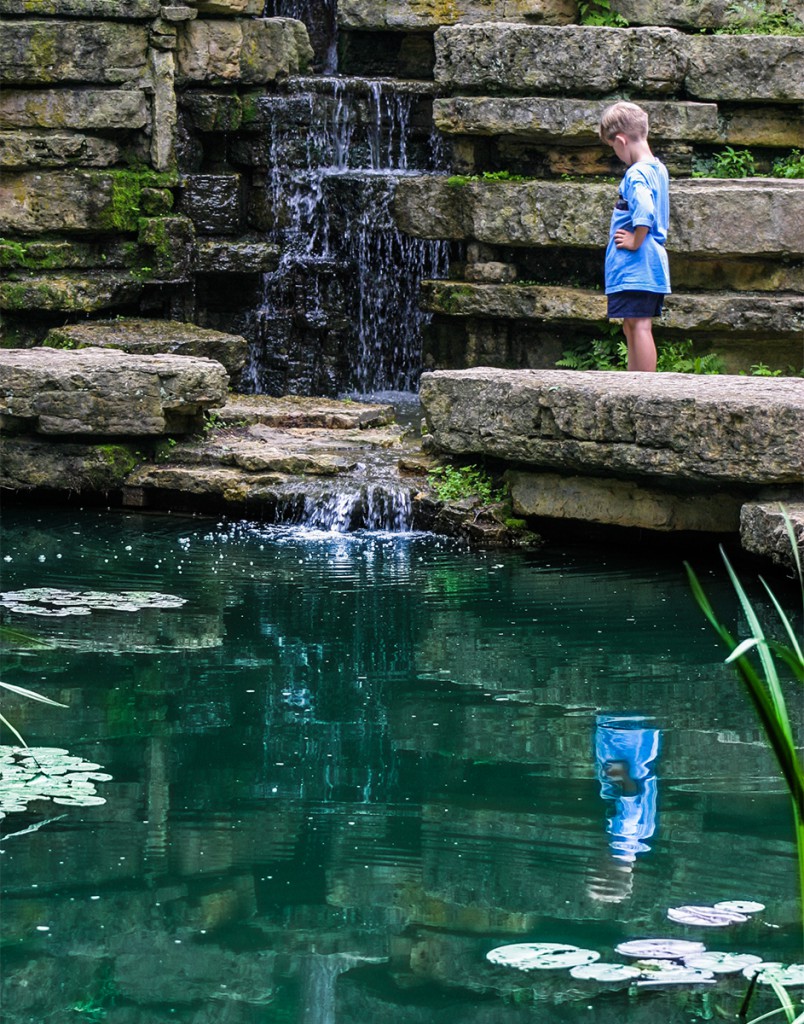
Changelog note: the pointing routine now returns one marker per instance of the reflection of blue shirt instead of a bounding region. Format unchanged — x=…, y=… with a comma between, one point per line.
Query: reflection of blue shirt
x=644, y=201
x=623, y=742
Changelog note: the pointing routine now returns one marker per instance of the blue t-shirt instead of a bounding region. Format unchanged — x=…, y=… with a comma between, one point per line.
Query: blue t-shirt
x=643, y=200
x=626, y=744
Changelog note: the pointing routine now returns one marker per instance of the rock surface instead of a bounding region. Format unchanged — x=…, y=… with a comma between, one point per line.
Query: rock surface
x=248, y=52
x=147, y=337
x=724, y=430
x=296, y=411
x=101, y=392
x=428, y=15
x=763, y=530
x=73, y=108
x=707, y=217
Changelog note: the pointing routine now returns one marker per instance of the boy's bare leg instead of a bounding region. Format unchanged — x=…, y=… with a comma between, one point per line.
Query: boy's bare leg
x=641, y=347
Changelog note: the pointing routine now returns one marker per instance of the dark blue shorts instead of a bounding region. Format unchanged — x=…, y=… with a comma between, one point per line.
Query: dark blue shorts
x=635, y=304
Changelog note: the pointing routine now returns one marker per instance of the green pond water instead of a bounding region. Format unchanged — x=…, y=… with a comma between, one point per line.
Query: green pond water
x=346, y=768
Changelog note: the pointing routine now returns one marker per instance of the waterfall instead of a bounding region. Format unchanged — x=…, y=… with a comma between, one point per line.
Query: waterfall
x=341, y=311
x=321, y=19
x=371, y=506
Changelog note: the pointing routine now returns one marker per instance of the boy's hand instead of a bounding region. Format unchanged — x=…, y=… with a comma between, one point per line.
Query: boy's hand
x=630, y=240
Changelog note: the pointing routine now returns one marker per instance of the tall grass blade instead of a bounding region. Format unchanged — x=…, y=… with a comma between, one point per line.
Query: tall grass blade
x=788, y=626
x=8, y=725
x=31, y=693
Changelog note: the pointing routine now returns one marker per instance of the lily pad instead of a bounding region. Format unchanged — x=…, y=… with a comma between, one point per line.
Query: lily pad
x=51, y=601
x=722, y=963
x=789, y=975
x=706, y=917
x=606, y=972
x=541, y=956
x=47, y=773
x=740, y=906
x=659, y=949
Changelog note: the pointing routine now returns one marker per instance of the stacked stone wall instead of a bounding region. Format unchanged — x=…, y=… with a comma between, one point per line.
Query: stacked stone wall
x=117, y=193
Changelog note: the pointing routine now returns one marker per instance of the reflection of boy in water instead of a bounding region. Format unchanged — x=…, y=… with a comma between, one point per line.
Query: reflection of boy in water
x=625, y=753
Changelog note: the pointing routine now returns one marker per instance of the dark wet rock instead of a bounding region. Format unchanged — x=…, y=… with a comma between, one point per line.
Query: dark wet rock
x=240, y=255
x=103, y=392
x=147, y=337
x=763, y=530
x=715, y=430
x=27, y=464
x=213, y=202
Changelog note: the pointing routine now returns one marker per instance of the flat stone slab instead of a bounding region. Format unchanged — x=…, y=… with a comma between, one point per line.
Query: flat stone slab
x=622, y=503
x=102, y=392
x=235, y=255
x=69, y=292
x=296, y=411
x=246, y=52
x=717, y=430
x=746, y=312
x=140, y=336
x=74, y=108
x=755, y=216
x=593, y=61
x=763, y=530
x=428, y=15
x=119, y=9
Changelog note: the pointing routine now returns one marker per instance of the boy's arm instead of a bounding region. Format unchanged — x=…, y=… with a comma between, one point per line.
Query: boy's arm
x=631, y=240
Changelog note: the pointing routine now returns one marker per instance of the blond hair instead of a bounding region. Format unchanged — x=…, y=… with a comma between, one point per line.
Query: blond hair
x=623, y=118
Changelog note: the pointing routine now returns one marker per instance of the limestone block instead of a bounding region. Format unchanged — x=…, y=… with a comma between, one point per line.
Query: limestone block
x=118, y=9
x=56, y=149
x=428, y=15
x=235, y=256
x=177, y=12
x=213, y=112
x=708, y=217
x=746, y=68
x=103, y=392
x=259, y=50
x=763, y=126
x=567, y=61
x=75, y=201
x=70, y=292
x=230, y=7
x=164, y=115
x=763, y=530
x=146, y=337
x=73, y=108
x=551, y=117
x=721, y=430
x=27, y=464
x=40, y=52
x=688, y=13
x=493, y=271
x=622, y=503
x=212, y=202
x=296, y=411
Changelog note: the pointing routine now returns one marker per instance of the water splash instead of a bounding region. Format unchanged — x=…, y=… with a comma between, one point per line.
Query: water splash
x=341, y=311
x=372, y=507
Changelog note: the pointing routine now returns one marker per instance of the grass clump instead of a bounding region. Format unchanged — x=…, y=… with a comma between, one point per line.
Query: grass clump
x=453, y=483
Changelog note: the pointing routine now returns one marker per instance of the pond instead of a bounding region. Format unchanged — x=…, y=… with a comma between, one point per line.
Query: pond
x=342, y=769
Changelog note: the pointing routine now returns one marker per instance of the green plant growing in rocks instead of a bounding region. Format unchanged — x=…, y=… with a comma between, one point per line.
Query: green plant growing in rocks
x=599, y=12
x=790, y=166
x=729, y=163
x=452, y=483
x=610, y=352
x=752, y=17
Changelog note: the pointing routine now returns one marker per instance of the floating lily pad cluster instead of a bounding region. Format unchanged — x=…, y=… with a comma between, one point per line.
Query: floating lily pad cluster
x=657, y=962
x=717, y=916
x=47, y=773
x=50, y=601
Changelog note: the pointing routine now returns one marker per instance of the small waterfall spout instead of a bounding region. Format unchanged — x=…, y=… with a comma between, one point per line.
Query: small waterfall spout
x=375, y=507
x=341, y=311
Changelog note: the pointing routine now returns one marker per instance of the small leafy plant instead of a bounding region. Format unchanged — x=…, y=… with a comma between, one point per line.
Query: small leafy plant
x=790, y=166
x=452, y=483
x=752, y=17
x=610, y=352
x=729, y=163
x=599, y=12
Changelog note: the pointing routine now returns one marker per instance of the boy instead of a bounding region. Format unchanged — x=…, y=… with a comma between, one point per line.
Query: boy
x=637, y=273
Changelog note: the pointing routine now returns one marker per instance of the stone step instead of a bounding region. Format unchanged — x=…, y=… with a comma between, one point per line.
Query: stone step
x=708, y=217
x=107, y=393
x=296, y=411
x=574, y=121
x=745, y=313
x=404, y=16
x=669, y=427
x=139, y=336
x=121, y=10
x=592, y=61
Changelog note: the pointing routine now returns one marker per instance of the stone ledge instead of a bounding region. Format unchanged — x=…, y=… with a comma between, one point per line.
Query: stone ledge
x=294, y=411
x=69, y=292
x=26, y=149
x=428, y=15
x=139, y=336
x=622, y=503
x=106, y=393
x=763, y=531
x=593, y=61
x=747, y=313
x=762, y=216
x=121, y=10
x=74, y=108
x=716, y=430
x=235, y=255
x=254, y=51
x=687, y=13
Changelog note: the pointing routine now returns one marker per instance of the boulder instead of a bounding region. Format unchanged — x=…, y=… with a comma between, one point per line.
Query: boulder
x=41, y=52
x=547, y=118
x=428, y=15
x=248, y=52
x=102, y=392
x=707, y=217
x=716, y=430
x=81, y=109
x=763, y=530
x=622, y=503
x=147, y=337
